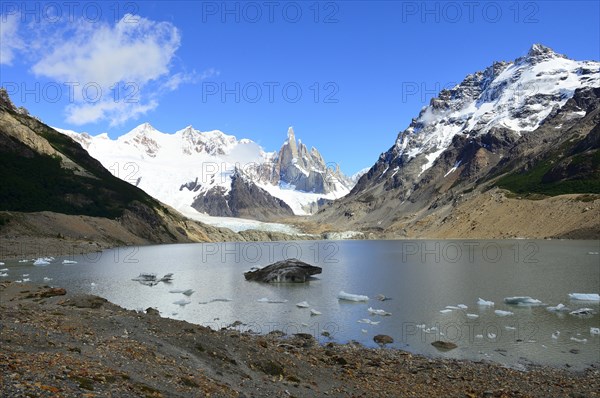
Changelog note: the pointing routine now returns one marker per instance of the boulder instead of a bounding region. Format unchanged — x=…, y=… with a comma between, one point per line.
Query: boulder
x=285, y=271
x=383, y=339
x=444, y=345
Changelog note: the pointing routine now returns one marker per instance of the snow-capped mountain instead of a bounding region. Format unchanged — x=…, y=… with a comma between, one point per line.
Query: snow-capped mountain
x=217, y=174
x=501, y=119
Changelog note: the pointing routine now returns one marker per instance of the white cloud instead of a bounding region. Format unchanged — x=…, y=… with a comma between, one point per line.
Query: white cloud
x=182, y=78
x=10, y=42
x=99, y=54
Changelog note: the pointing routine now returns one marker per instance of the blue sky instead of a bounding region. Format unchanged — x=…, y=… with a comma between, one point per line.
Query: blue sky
x=348, y=75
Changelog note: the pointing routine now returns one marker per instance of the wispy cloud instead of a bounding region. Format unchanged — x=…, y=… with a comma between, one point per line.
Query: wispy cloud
x=10, y=42
x=117, y=70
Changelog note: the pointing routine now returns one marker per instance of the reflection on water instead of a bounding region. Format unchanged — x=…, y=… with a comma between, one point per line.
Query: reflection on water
x=434, y=288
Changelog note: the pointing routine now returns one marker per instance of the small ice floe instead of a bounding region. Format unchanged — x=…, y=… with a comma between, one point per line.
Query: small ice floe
x=150, y=279
x=182, y=302
x=3, y=269
x=485, y=303
x=364, y=331
x=47, y=279
x=583, y=312
x=24, y=261
x=472, y=316
x=452, y=307
x=491, y=335
x=594, y=253
x=69, y=262
x=167, y=278
x=510, y=328
x=314, y=312
x=478, y=336
x=421, y=326
x=575, y=339
x=188, y=292
x=42, y=261
x=177, y=291
x=555, y=335
x=18, y=281
x=446, y=311
x=522, y=300
x=3, y=274
x=595, y=331
x=25, y=274
x=503, y=313
x=585, y=296
x=302, y=304
x=1, y=263
x=373, y=311
x=368, y=321
x=26, y=279
x=93, y=284
x=559, y=308
x=381, y=297
x=304, y=325
x=271, y=301
x=462, y=306
x=352, y=297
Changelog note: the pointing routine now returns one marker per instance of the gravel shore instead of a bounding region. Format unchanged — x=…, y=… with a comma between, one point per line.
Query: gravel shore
x=55, y=344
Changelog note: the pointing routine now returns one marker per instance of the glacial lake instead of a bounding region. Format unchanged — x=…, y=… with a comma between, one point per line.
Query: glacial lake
x=421, y=278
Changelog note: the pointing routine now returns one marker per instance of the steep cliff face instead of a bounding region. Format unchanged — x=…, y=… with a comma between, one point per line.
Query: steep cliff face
x=528, y=126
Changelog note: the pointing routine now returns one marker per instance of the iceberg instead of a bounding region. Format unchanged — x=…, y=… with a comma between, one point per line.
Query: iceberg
x=582, y=312
x=188, y=292
x=462, y=306
x=503, y=313
x=352, y=297
x=378, y=312
x=446, y=311
x=491, y=335
x=575, y=339
x=271, y=301
x=595, y=331
x=302, y=304
x=69, y=262
x=314, y=312
x=510, y=328
x=485, y=303
x=452, y=307
x=216, y=300
x=3, y=269
x=41, y=261
x=23, y=261
x=559, y=308
x=472, y=316
x=368, y=321
x=478, y=336
x=555, y=335
x=585, y=296
x=47, y=278
x=522, y=300
x=1, y=263
x=182, y=302
x=3, y=274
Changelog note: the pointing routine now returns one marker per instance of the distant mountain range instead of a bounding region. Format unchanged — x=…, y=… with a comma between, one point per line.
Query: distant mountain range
x=530, y=126
x=217, y=174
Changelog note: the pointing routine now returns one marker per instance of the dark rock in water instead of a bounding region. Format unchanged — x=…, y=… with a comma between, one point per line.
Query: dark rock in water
x=292, y=270
x=382, y=339
x=444, y=345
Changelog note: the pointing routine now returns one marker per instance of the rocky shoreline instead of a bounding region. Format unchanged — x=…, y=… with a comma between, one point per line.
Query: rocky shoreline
x=55, y=343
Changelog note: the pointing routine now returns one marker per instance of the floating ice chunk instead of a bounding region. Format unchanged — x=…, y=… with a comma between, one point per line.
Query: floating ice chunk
x=3, y=269
x=421, y=326
x=559, y=308
x=188, y=292
x=182, y=302
x=26, y=279
x=41, y=261
x=303, y=324
x=462, y=306
x=24, y=261
x=47, y=278
x=271, y=301
x=176, y=291
x=594, y=253
x=1, y=263
x=522, y=300
x=555, y=335
x=69, y=262
x=478, y=336
x=364, y=330
x=352, y=297
x=92, y=284
x=485, y=303
x=3, y=274
x=314, y=312
x=575, y=339
x=510, y=328
x=25, y=274
x=503, y=313
x=216, y=300
x=368, y=321
x=595, y=331
x=585, y=296
x=18, y=281
x=472, y=316
x=302, y=304
x=491, y=335
x=452, y=307
x=446, y=311
x=582, y=312
x=378, y=312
